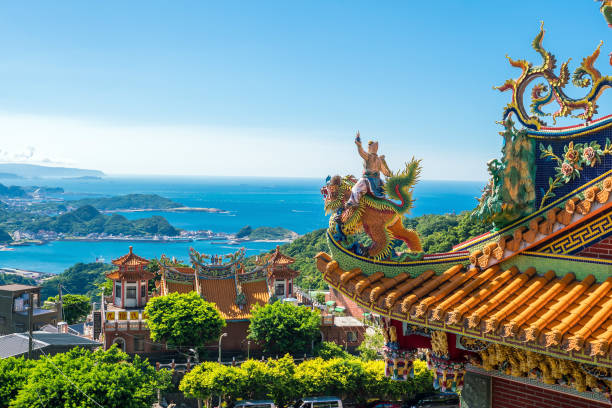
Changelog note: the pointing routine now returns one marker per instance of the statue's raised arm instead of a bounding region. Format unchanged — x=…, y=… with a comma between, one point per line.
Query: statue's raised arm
x=362, y=153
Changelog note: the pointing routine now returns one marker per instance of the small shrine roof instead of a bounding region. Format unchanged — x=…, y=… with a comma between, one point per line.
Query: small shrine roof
x=130, y=259
x=559, y=314
x=130, y=275
x=278, y=258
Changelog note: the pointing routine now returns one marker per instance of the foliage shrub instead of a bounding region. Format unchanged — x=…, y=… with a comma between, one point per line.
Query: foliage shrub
x=353, y=380
x=282, y=327
x=77, y=378
x=183, y=320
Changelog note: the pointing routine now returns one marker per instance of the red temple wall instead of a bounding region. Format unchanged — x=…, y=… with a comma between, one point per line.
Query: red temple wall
x=601, y=249
x=352, y=308
x=510, y=394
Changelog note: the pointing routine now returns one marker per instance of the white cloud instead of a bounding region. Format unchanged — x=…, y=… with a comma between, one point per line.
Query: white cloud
x=206, y=150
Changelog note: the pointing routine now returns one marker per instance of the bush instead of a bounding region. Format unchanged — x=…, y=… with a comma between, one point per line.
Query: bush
x=352, y=379
x=328, y=350
x=108, y=377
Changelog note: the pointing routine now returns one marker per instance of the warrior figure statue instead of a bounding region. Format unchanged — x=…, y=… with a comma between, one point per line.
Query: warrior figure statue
x=373, y=165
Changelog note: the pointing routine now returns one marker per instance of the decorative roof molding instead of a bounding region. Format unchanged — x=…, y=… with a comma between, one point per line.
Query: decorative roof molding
x=585, y=76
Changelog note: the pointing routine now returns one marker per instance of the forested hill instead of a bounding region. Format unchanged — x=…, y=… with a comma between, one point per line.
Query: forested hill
x=86, y=220
x=438, y=234
x=127, y=202
x=266, y=233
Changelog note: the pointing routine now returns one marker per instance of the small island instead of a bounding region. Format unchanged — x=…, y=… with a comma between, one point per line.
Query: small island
x=263, y=234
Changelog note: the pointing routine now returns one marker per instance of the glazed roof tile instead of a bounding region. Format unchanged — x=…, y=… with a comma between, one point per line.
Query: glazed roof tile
x=222, y=292
x=540, y=229
x=130, y=259
x=130, y=275
x=541, y=310
x=278, y=258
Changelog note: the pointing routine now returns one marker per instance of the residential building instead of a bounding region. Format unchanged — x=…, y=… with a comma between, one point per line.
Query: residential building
x=43, y=343
x=15, y=301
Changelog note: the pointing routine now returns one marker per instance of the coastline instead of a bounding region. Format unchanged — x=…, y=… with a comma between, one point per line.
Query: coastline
x=173, y=209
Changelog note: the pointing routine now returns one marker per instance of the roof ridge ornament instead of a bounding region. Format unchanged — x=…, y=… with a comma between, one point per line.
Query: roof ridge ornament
x=586, y=75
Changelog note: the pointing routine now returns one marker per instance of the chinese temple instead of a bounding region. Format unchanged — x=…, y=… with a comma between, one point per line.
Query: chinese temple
x=280, y=275
x=221, y=280
x=122, y=319
x=224, y=281
x=130, y=281
x=522, y=315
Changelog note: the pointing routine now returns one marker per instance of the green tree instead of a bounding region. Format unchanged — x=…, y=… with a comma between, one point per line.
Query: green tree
x=283, y=381
x=14, y=374
x=372, y=344
x=212, y=379
x=79, y=279
x=327, y=350
x=183, y=320
x=75, y=307
x=80, y=377
x=284, y=328
x=5, y=237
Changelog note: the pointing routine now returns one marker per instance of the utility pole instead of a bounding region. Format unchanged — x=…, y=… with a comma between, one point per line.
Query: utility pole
x=30, y=313
x=59, y=290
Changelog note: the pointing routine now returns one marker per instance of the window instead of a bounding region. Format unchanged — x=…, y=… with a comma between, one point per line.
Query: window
x=138, y=343
x=117, y=289
x=143, y=290
x=19, y=327
x=130, y=292
x=279, y=288
x=325, y=404
x=351, y=337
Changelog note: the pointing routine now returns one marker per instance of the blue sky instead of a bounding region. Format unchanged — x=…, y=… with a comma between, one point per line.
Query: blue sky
x=271, y=88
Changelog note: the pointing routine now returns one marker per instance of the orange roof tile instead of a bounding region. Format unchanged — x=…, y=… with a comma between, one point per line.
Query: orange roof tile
x=558, y=313
x=596, y=200
x=222, y=292
x=130, y=275
x=130, y=259
x=278, y=258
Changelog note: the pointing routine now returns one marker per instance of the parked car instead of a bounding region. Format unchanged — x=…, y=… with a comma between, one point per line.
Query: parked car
x=255, y=404
x=385, y=404
x=436, y=400
x=320, y=402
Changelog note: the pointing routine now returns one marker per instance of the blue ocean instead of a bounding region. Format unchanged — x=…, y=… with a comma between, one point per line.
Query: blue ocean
x=295, y=204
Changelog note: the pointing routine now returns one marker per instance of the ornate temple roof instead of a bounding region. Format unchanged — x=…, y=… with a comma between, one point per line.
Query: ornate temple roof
x=596, y=202
x=278, y=258
x=130, y=259
x=131, y=268
x=542, y=312
x=221, y=291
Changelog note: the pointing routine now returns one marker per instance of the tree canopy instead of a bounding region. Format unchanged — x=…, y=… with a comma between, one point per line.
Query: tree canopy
x=80, y=379
x=75, y=307
x=283, y=381
x=183, y=320
x=79, y=279
x=282, y=327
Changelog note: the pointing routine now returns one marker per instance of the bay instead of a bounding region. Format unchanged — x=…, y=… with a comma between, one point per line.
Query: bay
x=291, y=203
